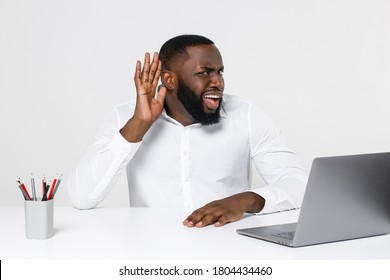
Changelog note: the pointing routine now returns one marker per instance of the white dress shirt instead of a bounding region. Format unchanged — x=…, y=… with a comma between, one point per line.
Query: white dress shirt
x=190, y=166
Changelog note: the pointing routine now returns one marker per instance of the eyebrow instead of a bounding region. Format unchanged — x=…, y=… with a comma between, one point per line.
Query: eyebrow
x=212, y=68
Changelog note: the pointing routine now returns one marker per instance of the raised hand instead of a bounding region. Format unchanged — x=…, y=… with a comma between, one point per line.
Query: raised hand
x=148, y=107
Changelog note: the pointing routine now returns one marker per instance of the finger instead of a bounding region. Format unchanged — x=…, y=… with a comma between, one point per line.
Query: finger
x=137, y=75
x=228, y=217
x=192, y=219
x=154, y=68
x=161, y=95
x=223, y=220
x=157, y=75
x=146, y=67
x=202, y=217
x=207, y=220
x=188, y=223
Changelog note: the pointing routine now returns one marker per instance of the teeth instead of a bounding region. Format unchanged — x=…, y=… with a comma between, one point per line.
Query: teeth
x=212, y=96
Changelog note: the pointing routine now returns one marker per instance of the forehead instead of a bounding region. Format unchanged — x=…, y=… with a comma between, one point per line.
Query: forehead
x=203, y=56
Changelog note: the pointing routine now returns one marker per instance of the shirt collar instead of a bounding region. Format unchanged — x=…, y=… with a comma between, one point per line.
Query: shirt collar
x=223, y=111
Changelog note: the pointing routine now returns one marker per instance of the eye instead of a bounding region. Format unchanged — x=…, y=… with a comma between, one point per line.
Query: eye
x=220, y=72
x=205, y=72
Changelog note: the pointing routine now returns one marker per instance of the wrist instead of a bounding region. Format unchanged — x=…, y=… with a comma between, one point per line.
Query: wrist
x=135, y=129
x=254, y=202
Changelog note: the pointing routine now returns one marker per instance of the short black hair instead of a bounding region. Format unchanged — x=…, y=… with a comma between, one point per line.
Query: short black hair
x=177, y=46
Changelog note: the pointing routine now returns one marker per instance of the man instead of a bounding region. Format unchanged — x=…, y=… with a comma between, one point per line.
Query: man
x=191, y=145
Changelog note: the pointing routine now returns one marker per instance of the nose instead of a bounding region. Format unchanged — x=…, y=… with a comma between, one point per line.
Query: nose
x=216, y=80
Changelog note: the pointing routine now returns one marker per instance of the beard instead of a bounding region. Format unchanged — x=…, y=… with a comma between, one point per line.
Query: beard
x=194, y=106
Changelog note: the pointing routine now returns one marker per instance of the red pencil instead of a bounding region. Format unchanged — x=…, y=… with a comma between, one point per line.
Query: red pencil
x=24, y=189
x=52, y=189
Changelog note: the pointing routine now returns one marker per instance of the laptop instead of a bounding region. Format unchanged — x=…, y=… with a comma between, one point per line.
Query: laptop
x=346, y=197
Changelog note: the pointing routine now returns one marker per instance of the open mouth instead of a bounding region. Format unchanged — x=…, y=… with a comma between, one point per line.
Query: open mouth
x=212, y=100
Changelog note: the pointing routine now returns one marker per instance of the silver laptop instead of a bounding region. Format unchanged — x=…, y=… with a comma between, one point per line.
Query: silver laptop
x=346, y=197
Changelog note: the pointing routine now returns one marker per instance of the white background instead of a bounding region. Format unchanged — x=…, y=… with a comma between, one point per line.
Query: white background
x=321, y=69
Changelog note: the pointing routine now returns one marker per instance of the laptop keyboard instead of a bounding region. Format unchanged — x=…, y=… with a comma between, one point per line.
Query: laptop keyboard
x=285, y=235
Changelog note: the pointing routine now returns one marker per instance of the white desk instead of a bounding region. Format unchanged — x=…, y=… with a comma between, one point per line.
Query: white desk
x=149, y=233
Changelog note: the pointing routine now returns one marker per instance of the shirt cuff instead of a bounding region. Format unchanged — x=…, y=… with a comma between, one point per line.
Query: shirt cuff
x=286, y=194
x=269, y=197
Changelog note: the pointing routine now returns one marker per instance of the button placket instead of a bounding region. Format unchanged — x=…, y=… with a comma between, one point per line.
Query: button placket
x=185, y=171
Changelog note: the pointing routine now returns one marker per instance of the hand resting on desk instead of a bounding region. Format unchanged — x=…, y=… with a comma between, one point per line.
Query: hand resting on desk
x=229, y=209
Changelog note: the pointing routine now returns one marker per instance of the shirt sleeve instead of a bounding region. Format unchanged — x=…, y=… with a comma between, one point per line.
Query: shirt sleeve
x=106, y=158
x=277, y=164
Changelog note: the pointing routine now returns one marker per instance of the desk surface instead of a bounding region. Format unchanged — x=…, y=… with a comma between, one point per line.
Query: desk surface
x=150, y=233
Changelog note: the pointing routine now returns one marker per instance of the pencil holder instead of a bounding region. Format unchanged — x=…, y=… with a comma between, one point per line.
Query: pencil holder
x=39, y=219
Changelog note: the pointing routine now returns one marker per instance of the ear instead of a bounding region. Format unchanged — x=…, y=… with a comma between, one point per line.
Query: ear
x=169, y=80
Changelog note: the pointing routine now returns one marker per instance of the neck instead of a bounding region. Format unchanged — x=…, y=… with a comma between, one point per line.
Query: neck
x=176, y=111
